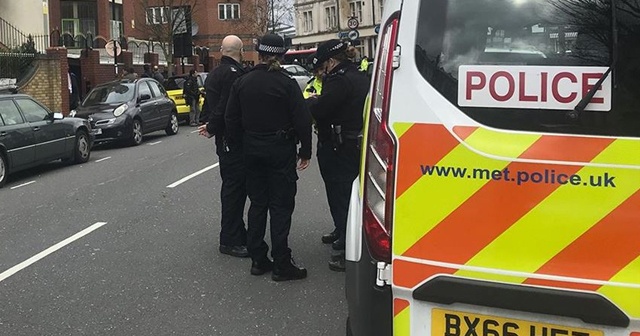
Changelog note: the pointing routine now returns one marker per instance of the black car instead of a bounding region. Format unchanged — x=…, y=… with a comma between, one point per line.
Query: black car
x=126, y=109
x=30, y=135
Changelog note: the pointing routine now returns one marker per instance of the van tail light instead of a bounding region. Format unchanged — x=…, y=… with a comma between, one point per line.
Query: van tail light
x=380, y=155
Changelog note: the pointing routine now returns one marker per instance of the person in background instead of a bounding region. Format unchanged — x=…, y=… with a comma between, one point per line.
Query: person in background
x=157, y=75
x=314, y=85
x=147, y=71
x=191, y=93
x=268, y=115
x=364, y=64
x=233, y=195
x=338, y=116
x=130, y=74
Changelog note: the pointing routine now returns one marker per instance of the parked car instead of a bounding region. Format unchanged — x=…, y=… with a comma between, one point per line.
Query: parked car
x=174, y=86
x=30, y=135
x=125, y=110
x=299, y=73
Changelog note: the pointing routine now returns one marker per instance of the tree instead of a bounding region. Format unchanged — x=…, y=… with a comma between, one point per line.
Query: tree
x=269, y=15
x=163, y=19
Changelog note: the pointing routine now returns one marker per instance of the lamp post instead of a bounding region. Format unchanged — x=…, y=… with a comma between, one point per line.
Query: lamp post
x=115, y=46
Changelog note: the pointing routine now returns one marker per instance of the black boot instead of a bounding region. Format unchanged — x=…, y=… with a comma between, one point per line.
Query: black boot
x=337, y=265
x=330, y=237
x=236, y=251
x=261, y=267
x=339, y=244
x=288, y=270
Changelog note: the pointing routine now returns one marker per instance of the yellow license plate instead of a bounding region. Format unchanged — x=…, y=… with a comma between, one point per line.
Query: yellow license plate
x=454, y=323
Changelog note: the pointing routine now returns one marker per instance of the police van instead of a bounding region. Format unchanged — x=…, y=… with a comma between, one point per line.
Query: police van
x=500, y=186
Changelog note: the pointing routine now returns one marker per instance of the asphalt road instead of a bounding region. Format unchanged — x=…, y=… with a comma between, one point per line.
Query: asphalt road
x=108, y=248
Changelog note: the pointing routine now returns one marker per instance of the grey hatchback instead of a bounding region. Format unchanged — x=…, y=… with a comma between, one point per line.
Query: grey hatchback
x=30, y=135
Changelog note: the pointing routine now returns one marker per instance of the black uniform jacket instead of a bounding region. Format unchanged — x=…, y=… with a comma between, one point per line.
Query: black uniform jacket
x=268, y=102
x=217, y=86
x=344, y=91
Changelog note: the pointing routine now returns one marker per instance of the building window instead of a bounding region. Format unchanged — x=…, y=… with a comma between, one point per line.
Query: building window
x=158, y=15
x=77, y=18
x=228, y=11
x=308, y=21
x=331, y=20
x=356, y=9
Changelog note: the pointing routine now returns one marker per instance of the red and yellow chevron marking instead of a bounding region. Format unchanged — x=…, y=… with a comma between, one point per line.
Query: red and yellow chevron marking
x=401, y=318
x=588, y=235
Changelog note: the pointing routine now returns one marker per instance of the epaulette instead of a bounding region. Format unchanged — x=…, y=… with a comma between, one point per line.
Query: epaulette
x=339, y=72
x=286, y=73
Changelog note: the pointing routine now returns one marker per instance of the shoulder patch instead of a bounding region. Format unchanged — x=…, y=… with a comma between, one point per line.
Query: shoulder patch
x=233, y=69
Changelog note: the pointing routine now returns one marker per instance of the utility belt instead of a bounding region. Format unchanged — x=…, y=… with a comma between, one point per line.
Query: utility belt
x=339, y=136
x=288, y=134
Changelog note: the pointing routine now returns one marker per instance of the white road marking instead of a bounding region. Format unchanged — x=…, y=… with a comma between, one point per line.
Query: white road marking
x=155, y=143
x=196, y=131
x=185, y=179
x=22, y=185
x=103, y=159
x=17, y=268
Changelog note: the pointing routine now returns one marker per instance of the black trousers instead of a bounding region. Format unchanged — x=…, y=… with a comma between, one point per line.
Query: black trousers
x=271, y=186
x=233, y=196
x=339, y=167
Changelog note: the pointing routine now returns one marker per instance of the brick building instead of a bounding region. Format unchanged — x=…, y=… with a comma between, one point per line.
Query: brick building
x=211, y=20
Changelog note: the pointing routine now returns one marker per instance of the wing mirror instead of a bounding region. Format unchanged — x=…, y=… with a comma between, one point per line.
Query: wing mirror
x=58, y=116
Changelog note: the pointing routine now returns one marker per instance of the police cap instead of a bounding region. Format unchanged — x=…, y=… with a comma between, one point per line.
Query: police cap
x=329, y=49
x=271, y=44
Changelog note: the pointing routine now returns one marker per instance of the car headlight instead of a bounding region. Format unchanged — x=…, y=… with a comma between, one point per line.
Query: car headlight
x=72, y=113
x=120, y=110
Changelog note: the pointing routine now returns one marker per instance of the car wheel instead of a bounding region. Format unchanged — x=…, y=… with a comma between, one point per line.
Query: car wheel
x=136, y=133
x=173, y=127
x=82, y=149
x=4, y=169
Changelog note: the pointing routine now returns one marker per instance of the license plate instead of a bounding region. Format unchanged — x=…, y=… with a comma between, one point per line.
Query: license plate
x=97, y=131
x=454, y=323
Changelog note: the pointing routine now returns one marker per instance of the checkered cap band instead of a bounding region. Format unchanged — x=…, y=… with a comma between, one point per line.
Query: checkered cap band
x=272, y=49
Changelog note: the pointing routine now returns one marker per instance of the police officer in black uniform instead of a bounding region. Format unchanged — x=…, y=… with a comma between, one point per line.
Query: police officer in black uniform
x=266, y=112
x=338, y=116
x=233, y=196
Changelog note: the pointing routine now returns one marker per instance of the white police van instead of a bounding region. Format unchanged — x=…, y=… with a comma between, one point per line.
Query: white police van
x=500, y=186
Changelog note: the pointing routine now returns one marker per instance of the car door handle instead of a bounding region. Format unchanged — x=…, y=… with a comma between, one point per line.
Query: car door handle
x=36, y=128
x=3, y=134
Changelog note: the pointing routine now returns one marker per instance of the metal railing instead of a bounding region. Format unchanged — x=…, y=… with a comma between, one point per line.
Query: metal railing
x=15, y=65
x=13, y=38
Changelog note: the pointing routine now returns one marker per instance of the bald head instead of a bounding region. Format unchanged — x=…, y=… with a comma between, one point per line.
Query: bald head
x=232, y=47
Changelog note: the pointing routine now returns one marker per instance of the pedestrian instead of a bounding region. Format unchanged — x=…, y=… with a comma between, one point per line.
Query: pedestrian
x=233, y=196
x=191, y=93
x=314, y=85
x=267, y=113
x=157, y=75
x=364, y=64
x=338, y=116
x=130, y=74
x=147, y=71
x=74, y=91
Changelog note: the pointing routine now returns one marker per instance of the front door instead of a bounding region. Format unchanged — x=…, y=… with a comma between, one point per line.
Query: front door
x=148, y=108
x=16, y=135
x=50, y=136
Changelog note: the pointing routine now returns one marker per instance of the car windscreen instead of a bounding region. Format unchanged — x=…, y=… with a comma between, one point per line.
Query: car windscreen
x=110, y=94
x=528, y=64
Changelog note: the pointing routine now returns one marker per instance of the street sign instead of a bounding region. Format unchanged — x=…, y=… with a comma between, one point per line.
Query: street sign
x=343, y=35
x=353, y=35
x=353, y=23
x=109, y=48
x=377, y=29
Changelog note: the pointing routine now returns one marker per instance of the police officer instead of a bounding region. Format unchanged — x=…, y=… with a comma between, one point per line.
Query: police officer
x=191, y=94
x=233, y=196
x=266, y=112
x=338, y=116
x=314, y=85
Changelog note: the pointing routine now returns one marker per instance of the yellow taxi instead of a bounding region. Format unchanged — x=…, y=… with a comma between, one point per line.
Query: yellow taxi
x=174, y=86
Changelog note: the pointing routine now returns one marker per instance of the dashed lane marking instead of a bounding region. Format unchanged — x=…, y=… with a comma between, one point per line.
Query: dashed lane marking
x=187, y=178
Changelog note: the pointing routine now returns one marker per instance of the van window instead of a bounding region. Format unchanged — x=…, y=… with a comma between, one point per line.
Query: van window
x=526, y=64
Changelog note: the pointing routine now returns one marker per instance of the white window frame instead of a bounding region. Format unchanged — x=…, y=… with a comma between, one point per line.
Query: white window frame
x=307, y=21
x=355, y=8
x=331, y=20
x=157, y=15
x=228, y=11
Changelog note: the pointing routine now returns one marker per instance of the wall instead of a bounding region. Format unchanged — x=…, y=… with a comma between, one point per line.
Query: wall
x=26, y=15
x=49, y=83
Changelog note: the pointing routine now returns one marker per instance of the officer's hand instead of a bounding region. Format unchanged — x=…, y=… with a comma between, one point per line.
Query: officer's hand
x=202, y=130
x=303, y=163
